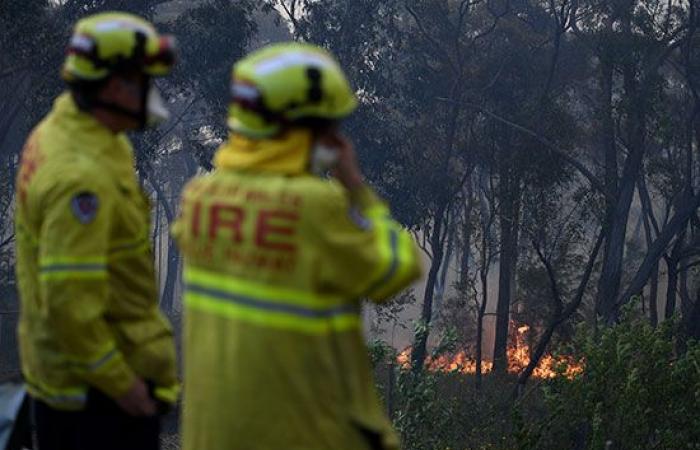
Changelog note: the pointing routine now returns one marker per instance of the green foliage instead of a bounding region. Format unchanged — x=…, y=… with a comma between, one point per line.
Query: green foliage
x=379, y=352
x=419, y=399
x=441, y=411
x=635, y=393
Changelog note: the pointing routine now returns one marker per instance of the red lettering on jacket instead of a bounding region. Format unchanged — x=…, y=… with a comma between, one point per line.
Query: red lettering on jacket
x=31, y=160
x=226, y=216
x=273, y=227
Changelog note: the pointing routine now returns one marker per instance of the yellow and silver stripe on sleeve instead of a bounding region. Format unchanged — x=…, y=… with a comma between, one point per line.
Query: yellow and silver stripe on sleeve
x=268, y=306
x=101, y=360
x=397, y=260
x=59, y=268
x=62, y=398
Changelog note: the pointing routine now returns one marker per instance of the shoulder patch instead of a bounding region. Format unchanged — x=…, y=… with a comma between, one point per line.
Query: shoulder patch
x=85, y=205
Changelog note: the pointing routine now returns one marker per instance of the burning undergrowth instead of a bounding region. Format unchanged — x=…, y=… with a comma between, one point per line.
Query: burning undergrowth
x=518, y=355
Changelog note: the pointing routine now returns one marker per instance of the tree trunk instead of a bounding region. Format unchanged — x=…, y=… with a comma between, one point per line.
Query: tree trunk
x=466, y=237
x=653, y=296
x=672, y=263
x=687, y=208
x=649, y=222
x=671, y=289
x=168, y=296
x=618, y=211
x=441, y=221
x=611, y=272
x=607, y=136
x=487, y=215
x=441, y=282
x=436, y=245
x=683, y=290
x=480, y=316
x=506, y=266
x=560, y=314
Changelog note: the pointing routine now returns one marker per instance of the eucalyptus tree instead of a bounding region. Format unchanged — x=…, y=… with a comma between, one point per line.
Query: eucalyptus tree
x=631, y=42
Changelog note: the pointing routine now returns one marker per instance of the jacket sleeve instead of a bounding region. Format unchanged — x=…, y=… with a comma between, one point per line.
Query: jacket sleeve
x=74, y=243
x=364, y=251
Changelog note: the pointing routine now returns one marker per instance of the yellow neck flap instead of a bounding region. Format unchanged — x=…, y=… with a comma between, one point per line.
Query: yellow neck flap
x=288, y=154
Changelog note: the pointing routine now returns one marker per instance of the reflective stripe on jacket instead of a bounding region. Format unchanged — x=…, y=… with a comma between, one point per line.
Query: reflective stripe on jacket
x=275, y=267
x=89, y=311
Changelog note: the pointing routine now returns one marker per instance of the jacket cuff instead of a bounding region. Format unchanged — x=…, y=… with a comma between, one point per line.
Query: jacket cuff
x=114, y=379
x=167, y=394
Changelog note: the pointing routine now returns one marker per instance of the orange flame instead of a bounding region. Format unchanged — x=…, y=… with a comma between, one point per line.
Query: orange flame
x=518, y=356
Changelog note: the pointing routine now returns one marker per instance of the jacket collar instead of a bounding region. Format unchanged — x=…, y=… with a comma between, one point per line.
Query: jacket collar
x=67, y=111
x=88, y=135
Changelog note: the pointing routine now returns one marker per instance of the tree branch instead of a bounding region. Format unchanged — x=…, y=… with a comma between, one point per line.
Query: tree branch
x=7, y=241
x=655, y=251
x=595, y=182
x=558, y=319
x=430, y=39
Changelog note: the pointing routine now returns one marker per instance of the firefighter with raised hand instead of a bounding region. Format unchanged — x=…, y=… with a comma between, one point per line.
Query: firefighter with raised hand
x=97, y=355
x=277, y=259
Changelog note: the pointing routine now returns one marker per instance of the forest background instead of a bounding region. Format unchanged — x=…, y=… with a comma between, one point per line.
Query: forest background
x=545, y=155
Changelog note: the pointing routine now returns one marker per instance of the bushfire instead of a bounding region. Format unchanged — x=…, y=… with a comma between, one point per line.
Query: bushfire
x=518, y=358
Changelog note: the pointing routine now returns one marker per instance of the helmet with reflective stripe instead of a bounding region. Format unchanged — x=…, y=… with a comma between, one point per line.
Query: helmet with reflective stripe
x=287, y=84
x=110, y=42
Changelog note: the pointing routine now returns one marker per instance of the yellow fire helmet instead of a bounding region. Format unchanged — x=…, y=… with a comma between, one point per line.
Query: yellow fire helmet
x=286, y=84
x=113, y=41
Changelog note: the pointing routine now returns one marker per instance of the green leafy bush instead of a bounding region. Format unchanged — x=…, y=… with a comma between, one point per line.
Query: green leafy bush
x=636, y=393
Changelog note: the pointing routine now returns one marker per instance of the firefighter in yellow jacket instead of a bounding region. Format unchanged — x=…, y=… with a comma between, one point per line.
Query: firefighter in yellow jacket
x=277, y=259
x=97, y=354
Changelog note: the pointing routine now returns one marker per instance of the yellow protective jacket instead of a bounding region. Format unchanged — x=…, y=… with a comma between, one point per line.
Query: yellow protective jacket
x=276, y=261
x=89, y=308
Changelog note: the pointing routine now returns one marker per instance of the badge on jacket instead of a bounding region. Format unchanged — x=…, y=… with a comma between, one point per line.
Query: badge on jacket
x=85, y=206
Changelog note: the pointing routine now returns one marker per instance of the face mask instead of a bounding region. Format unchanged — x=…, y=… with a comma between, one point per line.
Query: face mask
x=323, y=158
x=156, y=110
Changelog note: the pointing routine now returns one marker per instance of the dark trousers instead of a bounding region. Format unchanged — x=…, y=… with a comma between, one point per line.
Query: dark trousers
x=102, y=425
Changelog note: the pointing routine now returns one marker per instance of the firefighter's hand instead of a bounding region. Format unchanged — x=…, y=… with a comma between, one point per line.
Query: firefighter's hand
x=347, y=169
x=137, y=401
